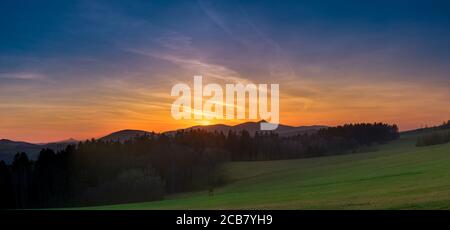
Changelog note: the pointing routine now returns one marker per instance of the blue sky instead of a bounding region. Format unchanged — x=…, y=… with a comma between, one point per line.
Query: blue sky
x=64, y=64
x=314, y=32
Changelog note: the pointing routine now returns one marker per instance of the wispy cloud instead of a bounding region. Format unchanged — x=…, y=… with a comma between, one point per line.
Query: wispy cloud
x=220, y=21
x=24, y=76
x=178, y=50
x=250, y=36
x=203, y=68
x=280, y=65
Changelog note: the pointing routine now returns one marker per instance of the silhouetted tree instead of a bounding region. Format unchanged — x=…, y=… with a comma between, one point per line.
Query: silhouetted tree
x=6, y=189
x=21, y=179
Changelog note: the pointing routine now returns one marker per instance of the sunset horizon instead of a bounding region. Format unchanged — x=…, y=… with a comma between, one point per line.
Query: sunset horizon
x=99, y=134
x=88, y=68
x=230, y=113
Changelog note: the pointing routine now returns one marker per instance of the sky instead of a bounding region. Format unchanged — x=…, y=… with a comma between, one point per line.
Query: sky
x=82, y=69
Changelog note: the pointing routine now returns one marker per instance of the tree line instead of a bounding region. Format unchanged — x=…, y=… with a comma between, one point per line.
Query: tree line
x=445, y=125
x=435, y=135
x=145, y=168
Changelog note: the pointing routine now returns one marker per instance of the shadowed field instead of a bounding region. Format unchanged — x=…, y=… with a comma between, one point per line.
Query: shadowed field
x=397, y=176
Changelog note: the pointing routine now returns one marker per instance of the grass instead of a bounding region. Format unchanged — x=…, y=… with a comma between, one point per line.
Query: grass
x=397, y=176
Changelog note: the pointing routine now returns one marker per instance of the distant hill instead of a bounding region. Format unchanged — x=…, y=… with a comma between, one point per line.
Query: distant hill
x=443, y=126
x=253, y=127
x=9, y=148
x=124, y=135
x=59, y=144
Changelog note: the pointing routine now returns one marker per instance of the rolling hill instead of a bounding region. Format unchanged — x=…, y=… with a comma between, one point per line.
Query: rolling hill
x=124, y=135
x=9, y=148
x=398, y=175
x=252, y=127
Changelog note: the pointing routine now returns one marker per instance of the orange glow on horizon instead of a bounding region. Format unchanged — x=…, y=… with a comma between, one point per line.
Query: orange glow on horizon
x=409, y=106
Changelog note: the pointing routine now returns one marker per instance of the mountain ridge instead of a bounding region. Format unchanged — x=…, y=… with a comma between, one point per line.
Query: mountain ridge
x=253, y=127
x=8, y=148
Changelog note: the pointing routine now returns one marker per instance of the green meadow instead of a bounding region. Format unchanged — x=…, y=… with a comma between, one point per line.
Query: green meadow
x=397, y=175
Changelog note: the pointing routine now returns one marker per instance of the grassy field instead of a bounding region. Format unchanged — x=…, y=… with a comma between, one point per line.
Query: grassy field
x=397, y=176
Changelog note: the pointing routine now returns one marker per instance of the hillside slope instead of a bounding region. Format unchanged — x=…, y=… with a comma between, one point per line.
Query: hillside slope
x=397, y=176
x=253, y=127
x=9, y=148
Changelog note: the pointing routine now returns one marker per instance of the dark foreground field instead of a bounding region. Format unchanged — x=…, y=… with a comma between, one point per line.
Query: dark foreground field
x=398, y=175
